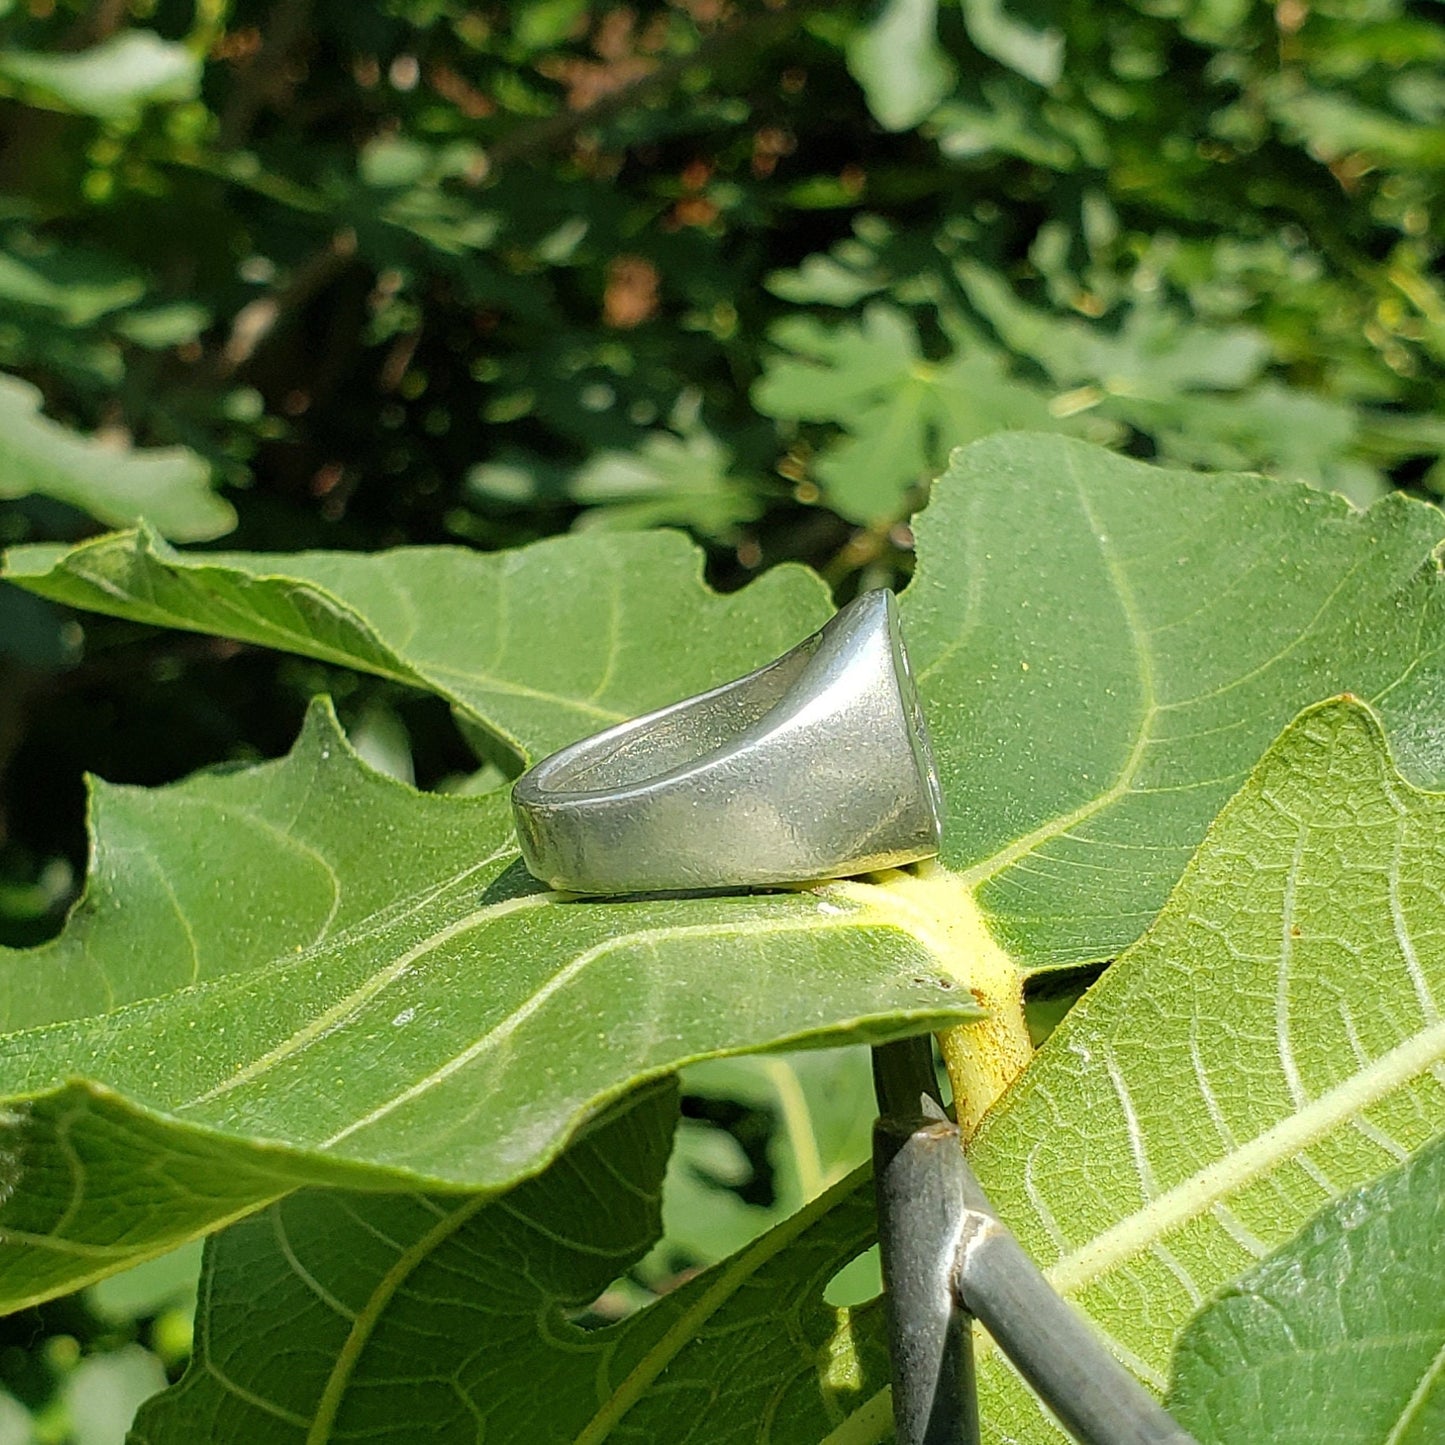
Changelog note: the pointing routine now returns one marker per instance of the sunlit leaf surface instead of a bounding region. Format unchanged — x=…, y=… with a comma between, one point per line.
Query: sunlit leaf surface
x=1226, y=1077
x=303, y=974
x=1104, y=650
x=1339, y=1336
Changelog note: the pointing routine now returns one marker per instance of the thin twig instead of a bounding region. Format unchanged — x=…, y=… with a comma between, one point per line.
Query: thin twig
x=256, y=320
x=920, y=1206
x=263, y=77
x=1092, y=1395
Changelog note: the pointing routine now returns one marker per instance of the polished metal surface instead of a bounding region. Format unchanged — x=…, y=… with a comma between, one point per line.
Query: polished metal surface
x=815, y=766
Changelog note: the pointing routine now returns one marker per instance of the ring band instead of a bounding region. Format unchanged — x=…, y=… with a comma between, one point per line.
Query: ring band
x=817, y=765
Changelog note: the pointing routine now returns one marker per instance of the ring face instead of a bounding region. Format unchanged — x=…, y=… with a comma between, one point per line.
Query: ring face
x=817, y=765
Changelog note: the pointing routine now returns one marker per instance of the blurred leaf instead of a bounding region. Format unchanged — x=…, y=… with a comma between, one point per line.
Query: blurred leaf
x=821, y=1107
x=16, y=1423
x=704, y=1218
x=380, y=739
x=134, y=1294
x=901, y=412
x=103, y=1392
x=157, y=327
x=1035, y=53
x=674, y=478
x=1298, y=435
x=823, y=281
x=682, y=477
x=395, y=162
x=168, y=486
x=878, y=256
x=1003, y=121
x=115, y=78
x=1336, y=125
x=543, y=23
x=823, y=1102
x=79, y=286
x=1195, y=389
x=1153, y=352
x=900, y=64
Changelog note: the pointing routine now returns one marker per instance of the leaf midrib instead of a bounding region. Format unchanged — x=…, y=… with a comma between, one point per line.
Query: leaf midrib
x=980, y=873
x=367, y=1318
x=303, y=644
x=513, y=1020
x=427, y=675
x=338, y=1013
x=684, y=1329
x=1419, y=1397
x=1215, y=1182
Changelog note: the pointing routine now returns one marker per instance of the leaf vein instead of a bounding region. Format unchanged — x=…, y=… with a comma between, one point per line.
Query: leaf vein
x=1219, y=1179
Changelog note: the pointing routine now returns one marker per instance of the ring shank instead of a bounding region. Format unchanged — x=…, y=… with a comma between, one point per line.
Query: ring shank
x=813, y=766
x=645, y=748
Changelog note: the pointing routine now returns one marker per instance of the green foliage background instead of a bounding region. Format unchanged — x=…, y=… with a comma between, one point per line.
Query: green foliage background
x=352, y=275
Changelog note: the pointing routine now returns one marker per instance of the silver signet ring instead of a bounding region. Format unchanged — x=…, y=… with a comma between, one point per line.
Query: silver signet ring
x=815, y=766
